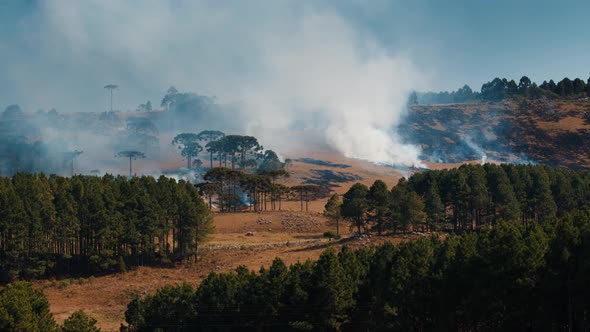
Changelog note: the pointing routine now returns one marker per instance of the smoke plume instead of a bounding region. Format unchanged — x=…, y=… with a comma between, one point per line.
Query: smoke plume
x=278, y=66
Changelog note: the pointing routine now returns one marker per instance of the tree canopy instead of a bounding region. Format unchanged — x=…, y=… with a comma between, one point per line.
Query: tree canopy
x=511, y=277
x=55, y=226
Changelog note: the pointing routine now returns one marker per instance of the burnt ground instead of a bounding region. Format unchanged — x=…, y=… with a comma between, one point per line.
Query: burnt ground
x=521, y=130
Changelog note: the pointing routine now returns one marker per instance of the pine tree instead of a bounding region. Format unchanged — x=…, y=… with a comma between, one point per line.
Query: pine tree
x=331, y=294
x=332, y=210
x=379, y=201
x=479, y=198
x=79, y=322
x=355, y=206
x=413, y=211
x=545, y=207
x=23, y=308
x=434, y=207
x=504, y=203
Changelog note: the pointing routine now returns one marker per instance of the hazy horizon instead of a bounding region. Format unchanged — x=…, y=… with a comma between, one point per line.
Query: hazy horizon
x=341, y=68
x=61, y=53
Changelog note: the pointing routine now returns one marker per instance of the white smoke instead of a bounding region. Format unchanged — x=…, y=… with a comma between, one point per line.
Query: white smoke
x=477, y=149
x=285, y=64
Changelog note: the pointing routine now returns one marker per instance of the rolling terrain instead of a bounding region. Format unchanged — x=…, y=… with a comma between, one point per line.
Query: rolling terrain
x=552, y=132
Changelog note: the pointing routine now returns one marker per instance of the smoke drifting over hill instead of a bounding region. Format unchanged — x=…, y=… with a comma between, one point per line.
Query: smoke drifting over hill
x=272, y=67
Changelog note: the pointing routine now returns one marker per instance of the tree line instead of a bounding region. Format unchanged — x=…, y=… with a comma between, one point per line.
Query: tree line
x=461, y=95
x=235, y=190
x=512, y=277
x=464, y=199
x=501, y=88
x=54, y=226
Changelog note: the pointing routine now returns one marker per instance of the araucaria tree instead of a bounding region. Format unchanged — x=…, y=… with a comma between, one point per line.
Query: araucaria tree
x=111, y=87
x=132, y=155
x=188, y=145
x=210, y=136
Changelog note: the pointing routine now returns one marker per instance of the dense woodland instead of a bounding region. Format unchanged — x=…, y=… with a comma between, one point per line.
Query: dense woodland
x=510, y=277
x=498, y=89
x=55, y=226
x=517, y=259
x=466, y=198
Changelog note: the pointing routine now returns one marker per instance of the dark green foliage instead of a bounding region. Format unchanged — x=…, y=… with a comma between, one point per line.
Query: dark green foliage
x=508, y=278
x=243, y=151
x=332, y=210
x=188, y=145
x=434, y=207
x=271, y=162
x=54, y=226
x=379, y=199
x=355, y=206
x=464, y=94
x=210, y=136
x=79, y=322
x=498, y=89
x=501, y=88
x=23, y=308
x=469, y=198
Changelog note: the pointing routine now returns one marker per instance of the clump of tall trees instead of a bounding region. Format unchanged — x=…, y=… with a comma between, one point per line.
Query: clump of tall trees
x=501, y=88
x=246, y=176
x=511, y=277
x=461, y=95
x=56, y=226
x=467, y=198
x=260, y=191
x=238, y=151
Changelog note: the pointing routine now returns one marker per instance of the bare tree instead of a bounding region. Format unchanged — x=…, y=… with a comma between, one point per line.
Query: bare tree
x=111, y=87
x=132, y=155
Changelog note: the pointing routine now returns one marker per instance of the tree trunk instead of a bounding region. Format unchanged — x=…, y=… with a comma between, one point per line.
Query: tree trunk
x=130, y=168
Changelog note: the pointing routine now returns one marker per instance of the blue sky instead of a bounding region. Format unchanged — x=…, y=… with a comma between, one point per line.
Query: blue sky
x=54, y=53
x=474, y=40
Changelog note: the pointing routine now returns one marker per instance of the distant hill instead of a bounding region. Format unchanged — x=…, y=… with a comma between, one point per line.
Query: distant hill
x=555, y=132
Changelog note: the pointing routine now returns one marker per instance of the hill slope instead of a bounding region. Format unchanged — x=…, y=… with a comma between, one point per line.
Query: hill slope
x=555, y=132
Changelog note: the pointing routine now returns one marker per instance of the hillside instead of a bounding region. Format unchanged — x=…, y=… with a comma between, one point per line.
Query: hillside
x=551, y=132
x=554, y=132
